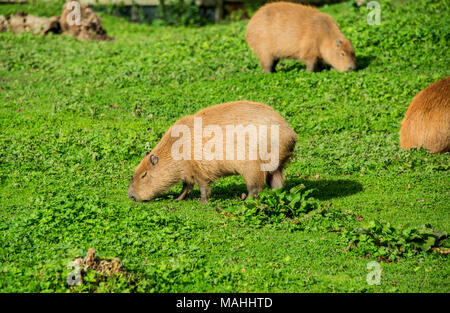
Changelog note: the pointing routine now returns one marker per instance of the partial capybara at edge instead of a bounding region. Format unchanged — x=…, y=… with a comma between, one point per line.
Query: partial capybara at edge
x=427, y=120
x=235, y=138
x=287, y=30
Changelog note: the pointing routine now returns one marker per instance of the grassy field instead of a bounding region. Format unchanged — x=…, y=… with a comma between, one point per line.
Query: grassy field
x=76, y=118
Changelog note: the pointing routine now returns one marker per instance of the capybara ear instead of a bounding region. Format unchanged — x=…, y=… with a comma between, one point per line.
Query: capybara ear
x=153, y=159
x=350, y=41
x=338, y=42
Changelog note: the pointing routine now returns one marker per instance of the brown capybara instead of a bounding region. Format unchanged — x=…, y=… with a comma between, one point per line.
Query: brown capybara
x=236, y=138
x=287, y=30
x=427, y=120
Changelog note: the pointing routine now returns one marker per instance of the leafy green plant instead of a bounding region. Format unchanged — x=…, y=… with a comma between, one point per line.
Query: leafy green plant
x=389, y=243
x=274, y=206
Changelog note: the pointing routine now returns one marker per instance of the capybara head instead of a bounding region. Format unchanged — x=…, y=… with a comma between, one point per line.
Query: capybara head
x=340, y=54
x=147, y=183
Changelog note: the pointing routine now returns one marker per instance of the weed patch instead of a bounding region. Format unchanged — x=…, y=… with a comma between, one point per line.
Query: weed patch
x=274, y=207
x=295, y=209
x=389, y=243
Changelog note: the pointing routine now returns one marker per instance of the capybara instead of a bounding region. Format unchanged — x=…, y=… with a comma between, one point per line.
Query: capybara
x=427, y=120
x=235, y=138
x=287, y=30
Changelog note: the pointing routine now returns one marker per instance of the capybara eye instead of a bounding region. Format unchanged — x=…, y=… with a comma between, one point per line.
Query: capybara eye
x=145, y=174
x=342, y=53
x=146, y=153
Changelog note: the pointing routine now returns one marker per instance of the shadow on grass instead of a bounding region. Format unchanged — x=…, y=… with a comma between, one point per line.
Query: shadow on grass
x=324, y=189
x=362, y=62
x=327, y=189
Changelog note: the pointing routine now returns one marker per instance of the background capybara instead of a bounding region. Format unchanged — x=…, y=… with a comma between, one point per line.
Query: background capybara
x=427, y=120
x=288, y=30
x=159, y=170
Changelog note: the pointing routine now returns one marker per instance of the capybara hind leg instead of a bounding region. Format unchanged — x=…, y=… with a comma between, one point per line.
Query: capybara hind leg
x=276, y=180
x=255, y=183
x=187, y=188
x=204, y=193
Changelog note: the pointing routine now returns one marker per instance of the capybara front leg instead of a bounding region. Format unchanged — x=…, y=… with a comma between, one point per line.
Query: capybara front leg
x=187, y=188
x=254, y=190
x=312, y=65
x=204, y=193
x=268, y=63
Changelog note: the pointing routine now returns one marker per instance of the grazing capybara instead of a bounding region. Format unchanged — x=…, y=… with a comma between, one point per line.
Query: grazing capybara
x=235, y=138
x=288, y=30
x=427, y=120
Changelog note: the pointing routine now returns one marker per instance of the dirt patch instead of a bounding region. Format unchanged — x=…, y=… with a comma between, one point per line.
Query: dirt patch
x=89, y=28
x=106, y=268
x=90, y=24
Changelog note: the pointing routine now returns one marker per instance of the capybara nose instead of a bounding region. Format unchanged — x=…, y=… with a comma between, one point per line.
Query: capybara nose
x=351, y=68
x=131, y=196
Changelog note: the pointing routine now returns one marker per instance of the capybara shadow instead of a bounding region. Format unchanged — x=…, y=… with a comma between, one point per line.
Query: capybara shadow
x=363, y=61
x=230, y=191
x=325, y=189
x=300, y=67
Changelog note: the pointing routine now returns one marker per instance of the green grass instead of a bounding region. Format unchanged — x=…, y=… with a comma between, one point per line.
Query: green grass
x=67, y=154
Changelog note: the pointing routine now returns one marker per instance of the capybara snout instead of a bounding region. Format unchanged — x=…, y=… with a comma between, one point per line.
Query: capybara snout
x=343, y=57
x=141, y=187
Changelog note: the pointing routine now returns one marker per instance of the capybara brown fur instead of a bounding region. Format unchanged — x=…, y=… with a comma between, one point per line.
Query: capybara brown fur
x=287, y=30
x=427, y=120
x=221, y=141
